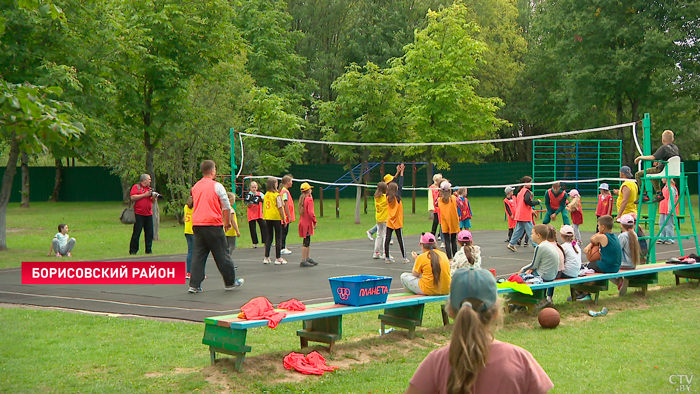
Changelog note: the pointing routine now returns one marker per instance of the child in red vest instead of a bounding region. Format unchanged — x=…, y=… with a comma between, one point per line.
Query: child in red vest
x=464, y=209
x=605, y=205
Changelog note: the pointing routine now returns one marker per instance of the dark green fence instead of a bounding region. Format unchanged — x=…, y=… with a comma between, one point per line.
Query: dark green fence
x=98, y=184
x=79, y=184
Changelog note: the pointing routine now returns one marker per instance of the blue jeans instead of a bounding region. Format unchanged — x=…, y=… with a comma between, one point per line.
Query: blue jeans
x=520, y=229
x=190, y=242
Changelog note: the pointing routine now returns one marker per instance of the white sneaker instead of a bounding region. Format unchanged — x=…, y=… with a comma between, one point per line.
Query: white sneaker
x=442, y=245
x=280, y=261
x=391, y=242
x=286, y=251
x=376, y=256
x=267, y=260
x=369, y=235
x=406, y=260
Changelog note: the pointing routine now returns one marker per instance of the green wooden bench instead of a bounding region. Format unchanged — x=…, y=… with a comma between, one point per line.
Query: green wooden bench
x=321, y=323
x=324, y=322
x=640, y=277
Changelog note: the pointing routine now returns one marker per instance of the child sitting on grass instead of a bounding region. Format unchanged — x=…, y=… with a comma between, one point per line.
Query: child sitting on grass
x=62, y=243
x=468, y=256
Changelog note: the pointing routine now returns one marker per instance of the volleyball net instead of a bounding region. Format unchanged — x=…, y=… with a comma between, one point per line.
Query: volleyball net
x=503, y=178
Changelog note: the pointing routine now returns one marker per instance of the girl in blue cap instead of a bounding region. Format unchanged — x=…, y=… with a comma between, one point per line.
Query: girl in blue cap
x=475, y=362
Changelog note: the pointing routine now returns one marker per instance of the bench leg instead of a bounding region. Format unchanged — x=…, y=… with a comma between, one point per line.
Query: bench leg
x=644, y=290
x=678, y=280
x=212, y=355
x=445, y=316
x=238, y=366
x=597, y=293
x=304, y=342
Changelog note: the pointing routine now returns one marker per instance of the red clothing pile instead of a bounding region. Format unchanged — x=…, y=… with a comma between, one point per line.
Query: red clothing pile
x=261, y=308
x=292, y=305
x=312, y=364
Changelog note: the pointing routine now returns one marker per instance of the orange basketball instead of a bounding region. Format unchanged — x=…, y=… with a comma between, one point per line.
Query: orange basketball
x=548, y=318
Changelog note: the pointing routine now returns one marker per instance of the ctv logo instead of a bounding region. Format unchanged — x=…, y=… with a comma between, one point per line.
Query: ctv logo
x=682, y=381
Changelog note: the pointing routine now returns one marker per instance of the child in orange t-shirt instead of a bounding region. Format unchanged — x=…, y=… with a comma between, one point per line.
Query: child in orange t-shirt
x=449, y=218
x=395, y=220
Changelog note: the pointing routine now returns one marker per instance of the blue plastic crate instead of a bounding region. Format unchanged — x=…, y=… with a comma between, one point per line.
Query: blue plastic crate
x=356, y=290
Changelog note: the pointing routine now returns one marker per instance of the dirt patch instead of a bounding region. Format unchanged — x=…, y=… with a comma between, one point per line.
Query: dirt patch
x=16, y=230
x=175, y=371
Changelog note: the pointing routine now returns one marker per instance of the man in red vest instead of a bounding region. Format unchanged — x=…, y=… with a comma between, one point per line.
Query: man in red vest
x=209, y=227
x=523, y=212
x=555, y=201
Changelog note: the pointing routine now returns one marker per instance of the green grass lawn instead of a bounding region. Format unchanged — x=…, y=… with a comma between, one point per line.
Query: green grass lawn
x=100, y=235
x=634, y=349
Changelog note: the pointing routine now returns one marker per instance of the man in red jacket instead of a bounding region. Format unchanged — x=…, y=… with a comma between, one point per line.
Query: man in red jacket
x=209, y=227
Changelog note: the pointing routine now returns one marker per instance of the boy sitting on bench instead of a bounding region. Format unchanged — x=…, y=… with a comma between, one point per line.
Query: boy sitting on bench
x=609, y=246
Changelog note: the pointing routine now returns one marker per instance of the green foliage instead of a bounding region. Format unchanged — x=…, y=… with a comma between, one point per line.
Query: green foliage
x=442, y=105
x=30, y=116
x=368, y=108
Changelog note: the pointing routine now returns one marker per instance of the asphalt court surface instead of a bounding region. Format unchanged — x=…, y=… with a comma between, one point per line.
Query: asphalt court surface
x=276, y=282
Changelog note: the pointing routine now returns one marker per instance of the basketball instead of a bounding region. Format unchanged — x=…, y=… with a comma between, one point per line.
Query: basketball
x=548, y=318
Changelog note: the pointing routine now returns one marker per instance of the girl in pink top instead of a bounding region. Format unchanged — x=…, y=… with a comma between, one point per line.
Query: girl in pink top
x=474, y=362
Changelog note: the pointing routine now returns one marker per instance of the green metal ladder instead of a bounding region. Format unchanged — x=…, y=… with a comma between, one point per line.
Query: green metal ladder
x=683, y=204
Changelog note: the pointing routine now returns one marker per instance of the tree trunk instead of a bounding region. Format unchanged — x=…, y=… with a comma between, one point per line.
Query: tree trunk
x=126, y=190
x=57, y=182
x=25, y=181
x=6, y=188
x=150, y=150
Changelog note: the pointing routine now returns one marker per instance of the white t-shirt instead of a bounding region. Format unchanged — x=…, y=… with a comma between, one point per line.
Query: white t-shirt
x=572, y=264
x=62, y=239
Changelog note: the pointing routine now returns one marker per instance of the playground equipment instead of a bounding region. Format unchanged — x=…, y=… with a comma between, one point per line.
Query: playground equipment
x=577, y=160
x=673, y=170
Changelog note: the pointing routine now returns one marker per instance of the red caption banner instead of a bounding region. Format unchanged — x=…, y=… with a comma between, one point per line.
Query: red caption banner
x=104, y=273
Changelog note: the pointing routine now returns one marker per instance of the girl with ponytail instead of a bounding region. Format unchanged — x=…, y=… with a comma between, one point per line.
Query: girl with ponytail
x=474, y=362
x=431, y=272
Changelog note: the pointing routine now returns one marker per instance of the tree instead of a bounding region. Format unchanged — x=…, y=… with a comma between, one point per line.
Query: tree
x=367, y=108
x=602, y=62
x=437, y=70
x=29, y=118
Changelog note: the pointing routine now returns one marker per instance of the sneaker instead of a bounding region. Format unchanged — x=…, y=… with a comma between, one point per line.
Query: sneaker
x=280, y=261
x=255, y=246
x=306, y=263
x=187, y=275
x=59, y=255
x=310, y=260
x=511, y=247
x=369, y=235
x=659, y=197
x=391, y=242
x=389, y=260
x=195, y=290
x=376, y=255
x=406, y=260
x=660, y=242
x=622, y=288
x=587, y=297
x=507, y=240
x=69, y=255
x=544, y=304
x=442, y=245
x=525, y=244
x=238, y=283
x=286, y=251
x=267, y=260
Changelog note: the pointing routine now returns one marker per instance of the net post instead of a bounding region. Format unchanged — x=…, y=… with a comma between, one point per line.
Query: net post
x=337, y=202
x=234, y=167
x=414, y=188
x=364, y=189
